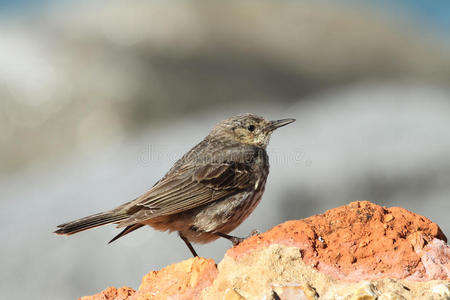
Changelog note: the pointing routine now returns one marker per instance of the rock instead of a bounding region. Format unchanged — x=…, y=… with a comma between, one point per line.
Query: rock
x=254, y=274
x=231, y=294
x=112, y=293
x=186, y=279
x=391, y=296
x=358, y=251
x=364, y=291
x=361, y=241
x=295, y=292
x=435, y=258
x=442, y=290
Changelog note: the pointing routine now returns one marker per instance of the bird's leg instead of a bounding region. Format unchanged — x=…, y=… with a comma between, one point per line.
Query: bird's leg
x=235, y=240
x=188, y=244
x=254, y=232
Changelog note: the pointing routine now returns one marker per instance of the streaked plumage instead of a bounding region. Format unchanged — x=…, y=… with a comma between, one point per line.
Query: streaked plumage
x=207, y=193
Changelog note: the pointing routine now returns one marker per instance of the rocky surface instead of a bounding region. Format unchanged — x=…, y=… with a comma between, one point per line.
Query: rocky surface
x=112, y=293
x=363, y=241
x=187, y=278
x=357, y=251
x=279, y=270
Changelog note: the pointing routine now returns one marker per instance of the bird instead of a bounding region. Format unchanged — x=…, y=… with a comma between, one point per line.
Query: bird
x=207, y=193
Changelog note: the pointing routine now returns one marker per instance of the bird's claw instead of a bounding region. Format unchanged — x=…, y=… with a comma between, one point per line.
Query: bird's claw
x=254, y=232
x=236, y=240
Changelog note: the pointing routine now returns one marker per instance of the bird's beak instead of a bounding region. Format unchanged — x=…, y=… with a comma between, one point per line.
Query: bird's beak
x=279, y=123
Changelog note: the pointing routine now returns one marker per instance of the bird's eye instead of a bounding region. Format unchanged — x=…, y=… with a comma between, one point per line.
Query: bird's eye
x=251, y=127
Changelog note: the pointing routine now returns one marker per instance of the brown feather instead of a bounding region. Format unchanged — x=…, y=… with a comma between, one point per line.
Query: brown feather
x=126, y=231
x=209, y=183
x=90, y=222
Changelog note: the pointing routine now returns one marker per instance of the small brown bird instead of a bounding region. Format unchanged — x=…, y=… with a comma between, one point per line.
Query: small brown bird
x=210, y=191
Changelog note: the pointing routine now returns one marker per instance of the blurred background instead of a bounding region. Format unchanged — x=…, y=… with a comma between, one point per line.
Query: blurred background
x=99, y=98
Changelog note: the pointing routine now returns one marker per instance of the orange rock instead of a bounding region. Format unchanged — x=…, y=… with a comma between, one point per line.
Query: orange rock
x=111, y=293
x=357, y=242
x=185, y=280
x=362, y=240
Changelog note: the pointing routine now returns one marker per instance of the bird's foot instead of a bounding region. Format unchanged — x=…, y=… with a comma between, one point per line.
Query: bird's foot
x=254, y=232
x=237, y=240
x=233, y=239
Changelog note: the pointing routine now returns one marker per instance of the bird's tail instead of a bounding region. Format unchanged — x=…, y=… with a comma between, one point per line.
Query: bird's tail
x=90, y=222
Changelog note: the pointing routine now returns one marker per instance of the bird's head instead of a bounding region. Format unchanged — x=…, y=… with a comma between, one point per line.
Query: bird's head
x=248, y=129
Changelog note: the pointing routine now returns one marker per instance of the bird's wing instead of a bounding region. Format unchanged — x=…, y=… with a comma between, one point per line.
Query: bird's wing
x=190, y=188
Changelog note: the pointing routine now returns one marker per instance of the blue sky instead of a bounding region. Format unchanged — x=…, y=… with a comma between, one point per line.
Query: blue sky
x=433, y=14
